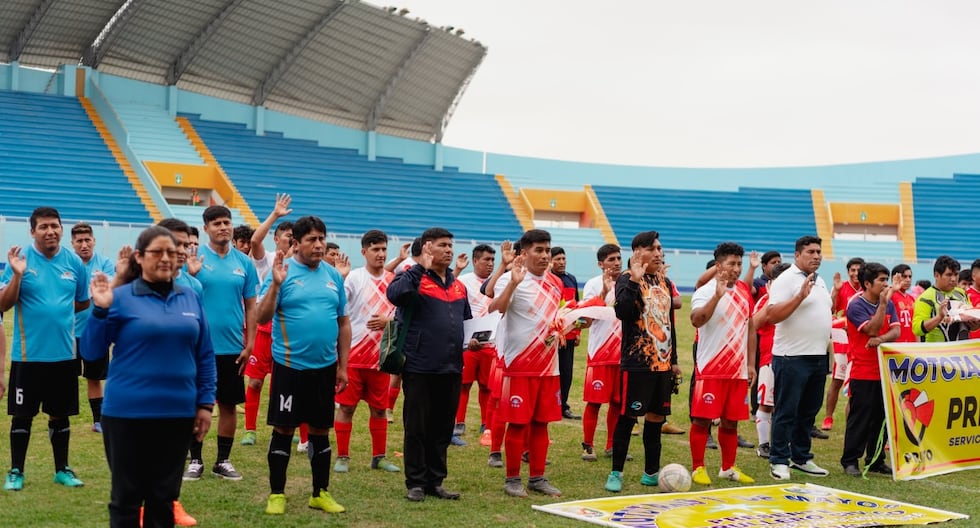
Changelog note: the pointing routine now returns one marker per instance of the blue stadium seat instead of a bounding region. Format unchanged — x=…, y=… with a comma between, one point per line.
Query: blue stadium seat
x=944, y=224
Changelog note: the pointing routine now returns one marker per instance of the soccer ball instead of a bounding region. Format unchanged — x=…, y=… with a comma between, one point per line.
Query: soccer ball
x=674, y=478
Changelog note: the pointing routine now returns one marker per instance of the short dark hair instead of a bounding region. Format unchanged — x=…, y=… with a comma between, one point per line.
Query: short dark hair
x=726, y=249
x=870, y=271
x=805, y=241
x=945, y=262
x=902, y=268
x=175, y=225
x=193, y=231
x=516, y=247
x=855, y=260
x=283, y=227
x=416, y=249
x=534, y=236
x=768, y=256
x=975, y=265
x=373, y=236
x=644, y=239
x=557, y=250
x=327, y=246
x=44, y=212
x=243, y=232
x=966, y=275
x=778, y=269
x=607, y=249
x=134, y=270
x=434, y=233
x=710, y=264
x=81, y=228
x=924, y=284
x=215, y=212
x=304, y=225
x=480, y=249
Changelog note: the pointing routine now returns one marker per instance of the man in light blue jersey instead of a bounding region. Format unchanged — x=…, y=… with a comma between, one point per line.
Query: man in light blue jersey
x=46, y=285
x=187, y=263
x=230, y=285
x=83, y=242
x=311, y=339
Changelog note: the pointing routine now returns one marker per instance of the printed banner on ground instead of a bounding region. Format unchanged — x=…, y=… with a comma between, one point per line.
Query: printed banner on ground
x=931, y=406
x=786, y=506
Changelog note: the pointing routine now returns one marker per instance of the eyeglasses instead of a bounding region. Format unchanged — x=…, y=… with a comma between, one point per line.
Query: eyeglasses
x=171, y=253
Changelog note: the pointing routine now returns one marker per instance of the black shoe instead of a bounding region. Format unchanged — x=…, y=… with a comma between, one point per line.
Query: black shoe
x=567, y=413
x=852, y=470
x=415, y=494
x=881, y=469
x=711, y=442
x=744, y=443
x=442, y=493
x=817, y=433
x=526, y=458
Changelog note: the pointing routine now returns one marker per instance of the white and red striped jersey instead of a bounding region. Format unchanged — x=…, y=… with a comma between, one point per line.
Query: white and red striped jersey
x=605, y=337
x=366, y=298
x=723, y=339
x=525, y=336
x=479, y=303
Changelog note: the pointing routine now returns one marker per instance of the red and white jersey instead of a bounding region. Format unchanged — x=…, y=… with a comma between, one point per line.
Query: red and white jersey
x=723, y=340
x=605, y=337
x=405, y=265
x=479, y=303
x=766, y=332
x=525, y=338
x=366, y=298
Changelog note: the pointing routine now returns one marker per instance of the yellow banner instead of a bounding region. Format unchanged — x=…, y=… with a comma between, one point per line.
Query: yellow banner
x=931, y=393
x=786, y=506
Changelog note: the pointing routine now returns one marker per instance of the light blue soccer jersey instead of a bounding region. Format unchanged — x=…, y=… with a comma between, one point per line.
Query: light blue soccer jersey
x=44, y=316
x=186, y=280
x=225, y=284
x=304, y=326
x=96, y=263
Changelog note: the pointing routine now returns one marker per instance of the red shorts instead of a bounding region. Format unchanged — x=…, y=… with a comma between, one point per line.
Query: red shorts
x=526, y=399
x=601, y=384
x=477, y=365
x=720, y=398
x=370, y=385
x=496, y=378
x=260, y=362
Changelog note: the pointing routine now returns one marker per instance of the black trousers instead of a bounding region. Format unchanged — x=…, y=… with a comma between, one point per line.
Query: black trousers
x=864, y=422
x=146, y=459
x=566, y=355
x=429, y=415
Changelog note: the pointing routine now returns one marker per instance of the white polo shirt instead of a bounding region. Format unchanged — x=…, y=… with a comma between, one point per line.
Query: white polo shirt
x=806, y=331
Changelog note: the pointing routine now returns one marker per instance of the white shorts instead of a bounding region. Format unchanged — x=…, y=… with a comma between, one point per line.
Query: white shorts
x=766, y=382
x=842, y=367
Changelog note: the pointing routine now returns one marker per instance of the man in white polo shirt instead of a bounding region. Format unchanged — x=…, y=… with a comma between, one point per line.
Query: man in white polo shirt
x=799, y=306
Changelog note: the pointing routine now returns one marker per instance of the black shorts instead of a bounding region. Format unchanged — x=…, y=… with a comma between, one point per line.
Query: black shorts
x=302, y=396
x=49, y=387
x=231, y=384
x=91, y=370
x=644, y=392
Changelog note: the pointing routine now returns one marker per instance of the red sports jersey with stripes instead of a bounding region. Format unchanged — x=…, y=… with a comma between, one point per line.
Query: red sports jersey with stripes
x=525, y=338
x=479, y=303
x=605, y=337
x=723, y=339
x=767, y=332
x=365, y=299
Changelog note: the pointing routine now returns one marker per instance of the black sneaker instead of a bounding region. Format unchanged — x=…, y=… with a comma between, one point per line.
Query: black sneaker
x=763, y=451
x=711, y=442
x=817, y=433
x=852, y=470
x=744, y=443
x=880, y=468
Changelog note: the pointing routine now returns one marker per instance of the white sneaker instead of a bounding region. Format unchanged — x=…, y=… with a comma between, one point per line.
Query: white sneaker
x=779, y=471
x=302, y=447
x=810, y=468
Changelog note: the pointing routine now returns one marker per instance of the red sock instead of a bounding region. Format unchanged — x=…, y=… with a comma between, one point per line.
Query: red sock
x=514, y=440
x=612, y=418
x=252, y=397
x=538, y=448
x=485, y=410
x=464, y=400
x=728, y=442
x=497, y=429
x=379, y=435
x=343, y=431
x=698, y=441
x=590, y=418
x=304, y=433
x=393, y=393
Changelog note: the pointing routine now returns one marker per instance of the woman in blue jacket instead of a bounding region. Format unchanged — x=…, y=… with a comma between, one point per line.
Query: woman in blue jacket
x=161, y=381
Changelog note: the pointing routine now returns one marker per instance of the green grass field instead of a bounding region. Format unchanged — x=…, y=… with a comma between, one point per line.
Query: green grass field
x=374, y=499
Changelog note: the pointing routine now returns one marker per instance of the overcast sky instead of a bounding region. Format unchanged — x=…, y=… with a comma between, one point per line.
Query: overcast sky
x=718, y=83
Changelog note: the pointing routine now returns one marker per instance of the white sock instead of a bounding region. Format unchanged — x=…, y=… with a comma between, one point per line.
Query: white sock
x=763, y=424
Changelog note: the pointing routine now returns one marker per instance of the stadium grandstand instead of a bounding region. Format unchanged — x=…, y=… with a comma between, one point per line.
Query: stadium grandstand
x=121, y=113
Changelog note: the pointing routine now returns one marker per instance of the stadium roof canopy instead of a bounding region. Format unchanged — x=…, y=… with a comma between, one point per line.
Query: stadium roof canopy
x=345, y=62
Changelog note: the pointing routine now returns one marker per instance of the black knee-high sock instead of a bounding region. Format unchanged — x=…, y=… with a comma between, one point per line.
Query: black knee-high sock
x=195, y=449
x=279, y=451
x=651, y=446
x=96, y=405
x=224, y=447
x=621, y=441
x=20, y=437
x=319, y=453
x=59, y=431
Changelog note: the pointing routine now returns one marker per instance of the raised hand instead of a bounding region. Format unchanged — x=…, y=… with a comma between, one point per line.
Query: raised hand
x=194, y=264
x=608, y=281
x=343, y=264
x=518, y=271
x=122, y=260
x=638, y=265
x=462, y=260
x=837, y=281
x=807, y=285
x=425, y=259
x=506, y=254
x=16, y=261
x=403, y=252
x=279, y=270
x=282, y=205
x=754, y=260
x=101, y=290
x=721, y=283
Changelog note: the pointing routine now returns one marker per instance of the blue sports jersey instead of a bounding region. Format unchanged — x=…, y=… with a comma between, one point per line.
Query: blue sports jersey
x=304, y=326
x=44, y=316
x=96, y=263
x=187, y=280
x=226, y=282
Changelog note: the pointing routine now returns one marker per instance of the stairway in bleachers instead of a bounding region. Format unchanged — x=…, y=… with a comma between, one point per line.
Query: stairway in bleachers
x=192, y=215
x=945, y=223
x=887, y=252
x=155, y=136
x=352, y=194
x=575, y=237
x=52, y=155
